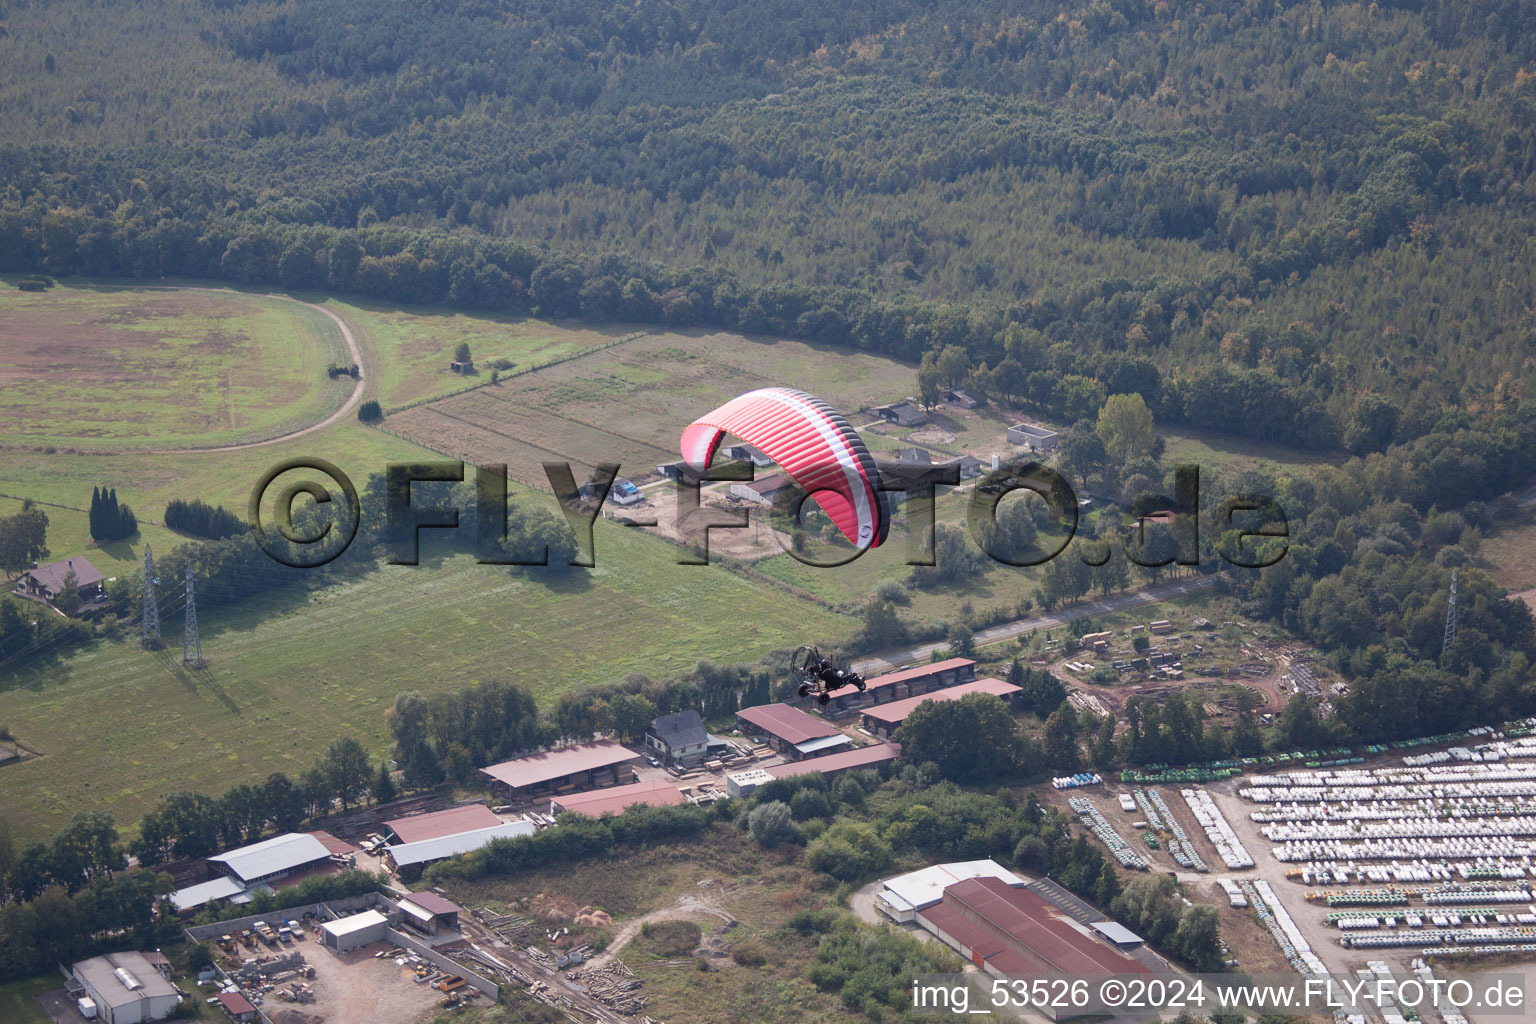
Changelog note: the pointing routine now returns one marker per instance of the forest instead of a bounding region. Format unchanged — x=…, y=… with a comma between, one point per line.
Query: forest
x=1303, y=222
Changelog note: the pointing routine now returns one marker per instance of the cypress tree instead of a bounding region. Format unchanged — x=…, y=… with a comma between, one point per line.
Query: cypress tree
x=95, y=513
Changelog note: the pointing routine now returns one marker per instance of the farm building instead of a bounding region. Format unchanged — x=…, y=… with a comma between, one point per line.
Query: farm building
x=678, y=738
x=237, y=1007
x=790, y=731
x=1036, y=439
x=746, y=453
x=1011, y=932
x=595, y=803
x=765, y=491
x=919, y=456
x=960, y=398
x=124, y=988
x=429, y=913
x=969, y=465
x=907, y=682
x=875, y=756
x=624, y=492
x=46, y=582
x=672, y=470
x=903, y=414
x=273, y=859
x=462, y=366
x=900, y=898
x=1162, y=517
x=883, y=720
x=408, y=858
x=349, y=933
x=419, y=827
x=200, y=895
x=580, y=766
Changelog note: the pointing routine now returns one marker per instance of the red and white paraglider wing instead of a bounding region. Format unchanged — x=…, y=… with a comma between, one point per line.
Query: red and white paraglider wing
x=812, y=443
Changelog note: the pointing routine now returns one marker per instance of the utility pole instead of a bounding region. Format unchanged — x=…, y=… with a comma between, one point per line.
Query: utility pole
x=149, y=629
x=191, y=645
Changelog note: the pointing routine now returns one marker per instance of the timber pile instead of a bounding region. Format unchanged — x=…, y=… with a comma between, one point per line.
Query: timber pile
x=613, y=985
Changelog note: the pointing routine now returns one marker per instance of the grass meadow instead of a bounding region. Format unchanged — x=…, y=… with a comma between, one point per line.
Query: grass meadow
x=107, y=368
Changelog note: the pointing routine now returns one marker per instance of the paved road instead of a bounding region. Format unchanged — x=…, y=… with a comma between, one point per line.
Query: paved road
x=1020, y=627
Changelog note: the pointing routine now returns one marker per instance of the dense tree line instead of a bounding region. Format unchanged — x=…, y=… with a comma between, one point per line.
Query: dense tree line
x=196, y=825
x=201, y=519
x=110, y=519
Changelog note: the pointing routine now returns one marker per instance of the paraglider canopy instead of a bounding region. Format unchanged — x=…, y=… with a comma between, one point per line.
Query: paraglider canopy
x=813, y=444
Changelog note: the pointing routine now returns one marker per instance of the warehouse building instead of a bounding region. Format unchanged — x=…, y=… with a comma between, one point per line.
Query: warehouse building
x=876, y=756
x=1011, y=932
x=790, y=731
x=595, y=803
x=409, y=858
x=420, y=827
x=273, y=859
x=908, y=682
x=901, y=898
x=429, y=913
x=354, y=932
x=122, y=988
x=566, y=770
x=883, y=720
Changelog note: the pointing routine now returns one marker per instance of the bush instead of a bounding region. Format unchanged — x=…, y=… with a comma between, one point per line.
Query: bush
x=369, y=412
x=749, y=955
x=771, y=824
x=849, y=851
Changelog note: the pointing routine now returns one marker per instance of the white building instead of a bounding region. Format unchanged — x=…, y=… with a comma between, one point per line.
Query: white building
x=124, y=988
x=351, y=932
x=742, y=784
x=900, y=898
x=273, y=858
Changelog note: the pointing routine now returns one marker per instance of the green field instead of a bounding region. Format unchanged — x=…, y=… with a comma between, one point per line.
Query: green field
x=1234, y=455
x=628, y=404
x=412, y=349
x=18, y=999
x=106, y=368
x=118, y=727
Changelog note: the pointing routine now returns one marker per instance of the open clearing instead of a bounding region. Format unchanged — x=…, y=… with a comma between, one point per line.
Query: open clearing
x=629, y=403
x=412, y=349
x=108, y=368
x=720, y=873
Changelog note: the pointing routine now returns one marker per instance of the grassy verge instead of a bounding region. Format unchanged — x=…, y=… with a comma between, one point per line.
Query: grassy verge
x=18, y=999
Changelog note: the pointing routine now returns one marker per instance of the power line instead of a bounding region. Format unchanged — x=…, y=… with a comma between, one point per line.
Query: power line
x=149, y=629
x=1450, y=617
x=191, y=644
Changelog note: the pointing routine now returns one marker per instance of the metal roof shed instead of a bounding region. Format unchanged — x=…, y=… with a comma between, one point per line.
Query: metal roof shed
x=414, y=854
x=273, y=858
x=358, y=930
x=194, y=896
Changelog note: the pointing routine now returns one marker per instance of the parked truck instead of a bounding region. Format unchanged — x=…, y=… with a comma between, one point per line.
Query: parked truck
x=265, y=931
